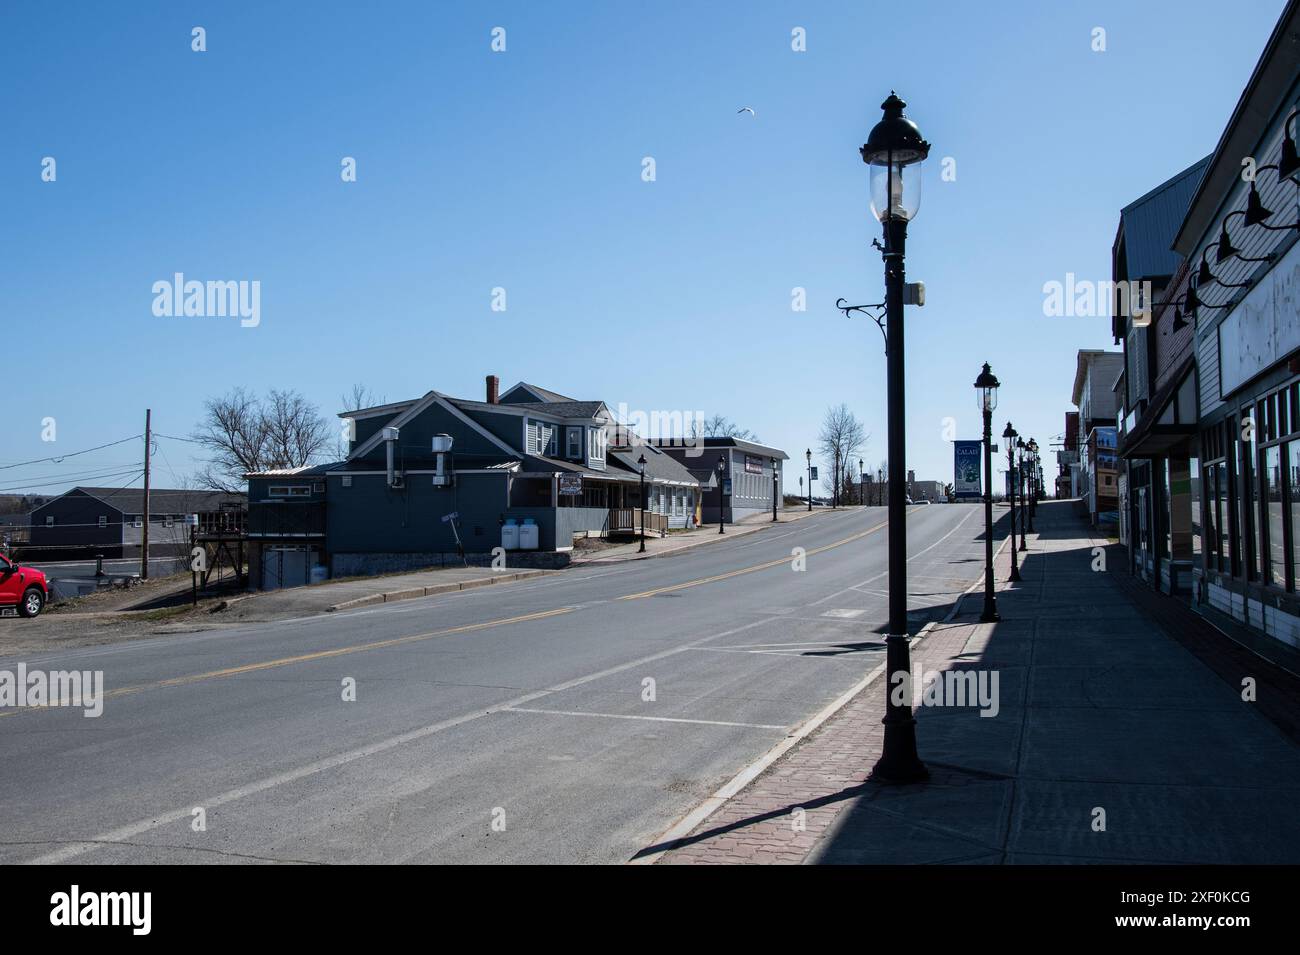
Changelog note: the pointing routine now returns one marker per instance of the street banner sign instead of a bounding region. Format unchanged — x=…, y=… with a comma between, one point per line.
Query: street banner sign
x=814, y=473
x=966, y=469
x=570, y=483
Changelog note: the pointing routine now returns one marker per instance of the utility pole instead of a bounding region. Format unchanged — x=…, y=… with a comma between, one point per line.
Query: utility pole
x=144, y=543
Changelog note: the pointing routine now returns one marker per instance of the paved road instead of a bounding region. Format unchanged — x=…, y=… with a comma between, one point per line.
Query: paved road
x=524, y=704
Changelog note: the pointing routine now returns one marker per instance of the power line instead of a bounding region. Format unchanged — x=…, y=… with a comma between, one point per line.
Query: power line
x=172, y=437
x=138, y=472
x=58, y=458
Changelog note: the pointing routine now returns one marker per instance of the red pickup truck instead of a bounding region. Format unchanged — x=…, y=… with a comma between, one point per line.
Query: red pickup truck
x=23, y=590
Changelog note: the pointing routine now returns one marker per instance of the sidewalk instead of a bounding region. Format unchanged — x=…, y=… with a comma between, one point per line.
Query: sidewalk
x=682, y=540
x=1112, y=743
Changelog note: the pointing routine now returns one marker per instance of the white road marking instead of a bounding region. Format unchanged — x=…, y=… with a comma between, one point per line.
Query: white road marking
x=656, y=719
x=844, y=613
x=132, y=830
x=886, y=573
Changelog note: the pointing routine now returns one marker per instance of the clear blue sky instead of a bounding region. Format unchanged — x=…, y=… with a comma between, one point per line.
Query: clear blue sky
x=523, y=170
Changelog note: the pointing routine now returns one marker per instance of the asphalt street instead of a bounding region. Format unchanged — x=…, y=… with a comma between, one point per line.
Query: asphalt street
x=568, y=719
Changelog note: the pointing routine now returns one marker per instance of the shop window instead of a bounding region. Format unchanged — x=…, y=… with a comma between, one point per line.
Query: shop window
x=1293, y=505
x=1274, y=569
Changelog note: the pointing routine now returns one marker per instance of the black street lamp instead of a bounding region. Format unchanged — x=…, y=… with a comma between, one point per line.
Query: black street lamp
x=880, y=486
x=1020, y=484
x=1032, y=478
x=835, y=481
x=722, y=498
x=808, y=454
x=641, y=470
x=1010, y=435
x=862, y=483
x=987, y=384
x=895, y=150
x=774, y=490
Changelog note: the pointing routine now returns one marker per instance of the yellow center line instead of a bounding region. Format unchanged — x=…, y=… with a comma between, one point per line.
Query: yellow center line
x=318, y=655
x=757, y=567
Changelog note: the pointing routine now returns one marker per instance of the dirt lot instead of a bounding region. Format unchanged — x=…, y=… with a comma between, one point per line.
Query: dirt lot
x=108, y=617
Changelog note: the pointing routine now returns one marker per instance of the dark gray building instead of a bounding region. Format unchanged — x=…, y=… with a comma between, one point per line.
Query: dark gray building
x=436, y=475
x=86, y=522
x=744, y=484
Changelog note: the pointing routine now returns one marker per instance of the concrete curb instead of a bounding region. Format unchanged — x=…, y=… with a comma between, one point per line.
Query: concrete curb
x=412, y=593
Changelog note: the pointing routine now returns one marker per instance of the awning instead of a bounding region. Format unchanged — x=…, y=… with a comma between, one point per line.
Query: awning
x=1150, y=438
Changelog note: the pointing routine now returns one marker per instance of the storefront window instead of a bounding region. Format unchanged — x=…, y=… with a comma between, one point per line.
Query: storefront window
x=1221, y=509
x=1293, y=467
x=1245, y=542
x=1274, y=571
x=1167, y=502
x=1194, y=475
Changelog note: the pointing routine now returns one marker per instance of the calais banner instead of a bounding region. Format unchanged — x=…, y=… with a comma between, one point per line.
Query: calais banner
x=966, y=468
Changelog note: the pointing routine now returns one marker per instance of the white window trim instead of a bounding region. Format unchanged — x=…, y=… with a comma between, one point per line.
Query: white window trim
x=289, y=490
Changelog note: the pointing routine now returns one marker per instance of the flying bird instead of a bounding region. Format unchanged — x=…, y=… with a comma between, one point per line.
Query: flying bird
x=747, y=109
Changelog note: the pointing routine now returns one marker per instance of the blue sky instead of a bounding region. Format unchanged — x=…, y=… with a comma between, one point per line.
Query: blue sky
x=522, y=170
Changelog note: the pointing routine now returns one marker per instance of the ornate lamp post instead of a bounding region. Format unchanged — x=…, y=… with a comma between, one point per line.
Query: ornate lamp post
x=722, y=497
x=895, y=150
x=987, y=385
x=835, y=482
x=862, y=483
x=1032, y=478
x=808, y=454
x=1009, y=434
x=1020, y=485
x=641, y=470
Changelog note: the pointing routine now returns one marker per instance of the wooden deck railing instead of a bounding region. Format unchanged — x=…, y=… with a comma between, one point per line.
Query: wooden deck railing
x=628, y=519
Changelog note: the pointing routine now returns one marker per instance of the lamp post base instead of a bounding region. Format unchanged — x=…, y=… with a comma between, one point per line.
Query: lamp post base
x=899, y=762
x=1014, y=576
x=990, y=614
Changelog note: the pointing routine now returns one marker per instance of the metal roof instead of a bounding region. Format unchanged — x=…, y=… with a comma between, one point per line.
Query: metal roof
x=1150, y=223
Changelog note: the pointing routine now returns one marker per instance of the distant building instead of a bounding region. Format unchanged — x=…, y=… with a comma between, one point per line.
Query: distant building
x=87, y=522
x=1094, y=396
x=747, y=465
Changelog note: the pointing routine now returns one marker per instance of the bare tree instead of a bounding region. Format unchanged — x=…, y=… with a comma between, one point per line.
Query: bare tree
x=242, y=432
x=360, y=396
x=842, y=437
x=722, y=427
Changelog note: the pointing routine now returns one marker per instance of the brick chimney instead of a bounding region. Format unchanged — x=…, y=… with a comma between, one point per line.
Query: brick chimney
x=493, y=389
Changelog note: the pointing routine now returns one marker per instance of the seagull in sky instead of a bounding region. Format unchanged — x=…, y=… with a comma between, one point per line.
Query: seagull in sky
x=747, y=109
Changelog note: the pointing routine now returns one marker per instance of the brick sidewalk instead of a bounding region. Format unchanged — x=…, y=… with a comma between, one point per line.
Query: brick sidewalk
x=1100, y=710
